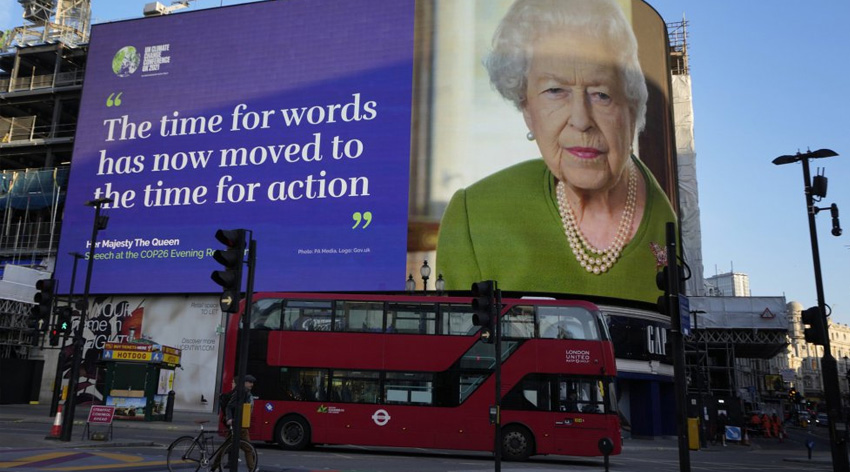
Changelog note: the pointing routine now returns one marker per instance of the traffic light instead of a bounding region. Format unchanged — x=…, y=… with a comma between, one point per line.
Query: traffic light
x=54, y=336
x=484, y=312
x=44, y=302
x=661, y=282
x=792, y=395
x=63, y=321
x=231, y=258
x=33, y=330
x=666, y=284
x=816, y=331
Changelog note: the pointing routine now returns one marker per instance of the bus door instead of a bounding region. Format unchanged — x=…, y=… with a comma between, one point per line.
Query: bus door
x=580, y=420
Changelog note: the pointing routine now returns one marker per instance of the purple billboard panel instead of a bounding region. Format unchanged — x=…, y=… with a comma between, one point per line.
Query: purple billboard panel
x=289, y=119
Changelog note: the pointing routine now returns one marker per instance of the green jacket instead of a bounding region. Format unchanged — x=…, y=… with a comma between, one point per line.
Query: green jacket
x=507, y=228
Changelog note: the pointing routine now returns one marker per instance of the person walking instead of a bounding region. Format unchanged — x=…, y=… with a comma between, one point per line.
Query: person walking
x=230, y=412
x=767, y=425
x=777, y=426
x=722, y=421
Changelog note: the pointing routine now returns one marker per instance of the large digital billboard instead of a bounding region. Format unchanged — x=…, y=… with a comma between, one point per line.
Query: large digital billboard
x=553, y=152
x=536, y=136
x=290, y=119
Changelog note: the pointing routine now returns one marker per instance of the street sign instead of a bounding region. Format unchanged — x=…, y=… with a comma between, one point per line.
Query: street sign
x=101, y=414
x=685, y=314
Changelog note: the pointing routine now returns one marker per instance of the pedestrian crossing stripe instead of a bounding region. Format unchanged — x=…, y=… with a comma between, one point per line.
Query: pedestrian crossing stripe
x=38, y=460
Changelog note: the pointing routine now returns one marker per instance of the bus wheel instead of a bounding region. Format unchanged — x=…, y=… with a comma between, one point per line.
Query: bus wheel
x=517, y=443
x=293, y=433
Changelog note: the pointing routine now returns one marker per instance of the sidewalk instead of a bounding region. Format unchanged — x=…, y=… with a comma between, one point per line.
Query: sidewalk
x=182, y=422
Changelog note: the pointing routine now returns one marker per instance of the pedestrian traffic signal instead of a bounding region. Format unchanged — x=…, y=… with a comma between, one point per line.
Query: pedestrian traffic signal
x=484, y=310
x=54, y=336
x=231, y=258
x=815, y=332
x=63, y=321
x=44, y=302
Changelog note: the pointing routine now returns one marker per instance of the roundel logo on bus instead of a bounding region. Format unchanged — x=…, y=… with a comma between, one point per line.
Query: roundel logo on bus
x=381, y=417
x=269, y=407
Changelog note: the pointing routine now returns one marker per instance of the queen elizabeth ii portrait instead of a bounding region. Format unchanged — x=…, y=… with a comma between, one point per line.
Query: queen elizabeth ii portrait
x=587, y=216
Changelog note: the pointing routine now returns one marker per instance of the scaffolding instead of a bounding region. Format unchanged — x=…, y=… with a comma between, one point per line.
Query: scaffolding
x=677, y=32
x=48, y=21
x=42, y=65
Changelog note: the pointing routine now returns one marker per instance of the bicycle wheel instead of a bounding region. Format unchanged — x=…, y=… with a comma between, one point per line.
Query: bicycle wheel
x=248, y=454
x=184, y=453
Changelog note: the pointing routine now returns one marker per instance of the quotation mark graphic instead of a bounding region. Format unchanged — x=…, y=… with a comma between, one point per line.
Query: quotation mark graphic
x=114, y=100
x=358, y=217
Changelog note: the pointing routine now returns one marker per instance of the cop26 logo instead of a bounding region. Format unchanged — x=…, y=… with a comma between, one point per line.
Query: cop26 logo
x=126, y=61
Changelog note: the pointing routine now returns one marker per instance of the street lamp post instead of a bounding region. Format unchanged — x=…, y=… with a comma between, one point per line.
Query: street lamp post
x=71, y=400
x=440, y=284
x=829, y=366
x=425, y=272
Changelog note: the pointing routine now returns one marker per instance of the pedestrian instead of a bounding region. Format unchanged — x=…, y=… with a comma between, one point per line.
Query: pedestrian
x=766, y=423
x=722, y=421
x=223, y=400
x=230, y=412
x=755, y=423
x=777, y=425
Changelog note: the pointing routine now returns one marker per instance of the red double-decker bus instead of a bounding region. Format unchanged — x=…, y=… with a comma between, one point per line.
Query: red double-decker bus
x=411, y=371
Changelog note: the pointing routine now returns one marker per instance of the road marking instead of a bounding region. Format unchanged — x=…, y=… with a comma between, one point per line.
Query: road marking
x=112, y=466
x=36, y=458
x=120, y=457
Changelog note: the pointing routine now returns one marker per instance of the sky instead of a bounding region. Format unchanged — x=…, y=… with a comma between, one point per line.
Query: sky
x=768, y=79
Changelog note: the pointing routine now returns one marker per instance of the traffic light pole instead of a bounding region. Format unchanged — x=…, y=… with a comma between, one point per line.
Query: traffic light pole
x=672, y=304
x=73, y=382
x=244, y=338
x=60, y=361
x=837, y=426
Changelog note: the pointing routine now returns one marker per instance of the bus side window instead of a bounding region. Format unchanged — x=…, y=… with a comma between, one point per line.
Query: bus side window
x=567, y=323
x=531, y=394
x=266, y=314
x=361, y=316
x=518, y=323
x=583, y=395
x=456, y=320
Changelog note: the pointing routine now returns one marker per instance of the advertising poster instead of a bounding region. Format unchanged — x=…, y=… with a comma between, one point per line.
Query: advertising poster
x=289, y=119
x=185, y=323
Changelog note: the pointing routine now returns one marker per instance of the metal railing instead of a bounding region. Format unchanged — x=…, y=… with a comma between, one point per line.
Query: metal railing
x=24, y=128
x=35, y=82
x=24, y=239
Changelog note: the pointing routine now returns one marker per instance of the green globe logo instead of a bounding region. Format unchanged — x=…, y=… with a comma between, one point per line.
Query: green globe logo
x=126, y=61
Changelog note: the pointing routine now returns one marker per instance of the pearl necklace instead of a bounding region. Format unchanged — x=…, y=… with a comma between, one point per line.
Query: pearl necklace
x=593, y=259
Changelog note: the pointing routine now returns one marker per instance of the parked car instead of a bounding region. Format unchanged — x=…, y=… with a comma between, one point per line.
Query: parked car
x=822, y=419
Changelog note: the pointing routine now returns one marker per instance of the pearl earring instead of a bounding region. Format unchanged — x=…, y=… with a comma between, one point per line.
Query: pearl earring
x=529, y=136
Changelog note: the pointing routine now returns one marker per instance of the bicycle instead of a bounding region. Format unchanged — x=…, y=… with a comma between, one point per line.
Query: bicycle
x=198, y=451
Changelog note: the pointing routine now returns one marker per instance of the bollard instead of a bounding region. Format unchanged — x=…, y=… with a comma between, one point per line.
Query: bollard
x=169, y=407
x=810, y=444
